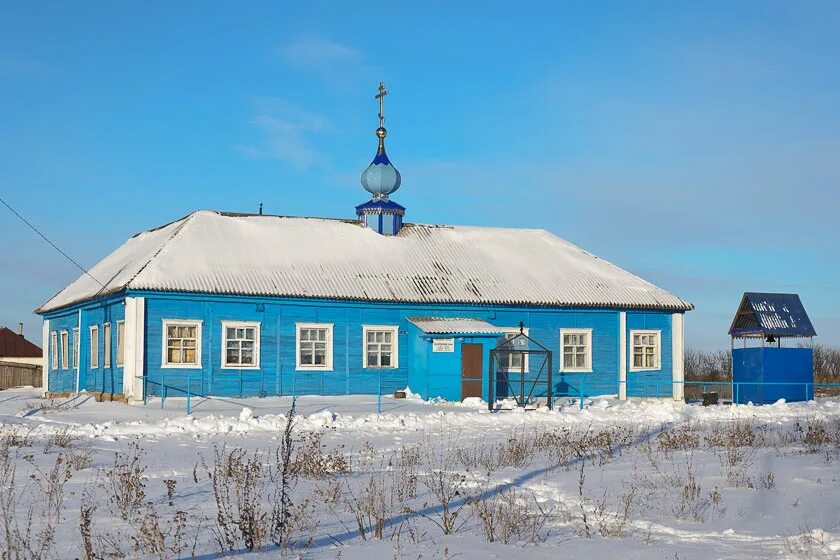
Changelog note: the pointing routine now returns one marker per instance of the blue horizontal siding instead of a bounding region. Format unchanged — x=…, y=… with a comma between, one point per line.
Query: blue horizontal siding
x=654, y=383
x=61, y=380
x=100, y=379
x=425, y=372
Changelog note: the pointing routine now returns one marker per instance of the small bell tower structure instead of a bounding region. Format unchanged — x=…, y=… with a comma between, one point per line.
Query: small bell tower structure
x=381, y=179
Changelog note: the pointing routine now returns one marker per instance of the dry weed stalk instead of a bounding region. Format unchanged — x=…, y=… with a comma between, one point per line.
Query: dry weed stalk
x=127, y=482
x=30, y=511
x=511, y=516
x=252, y=494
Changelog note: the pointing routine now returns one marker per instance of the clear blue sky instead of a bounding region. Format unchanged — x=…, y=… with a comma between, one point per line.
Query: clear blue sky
x=695, y=144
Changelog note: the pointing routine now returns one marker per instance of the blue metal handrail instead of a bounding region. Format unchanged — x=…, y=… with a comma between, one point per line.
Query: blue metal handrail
x=165, y=388
x=579, y=388
x=384, y=379
x=162, y=384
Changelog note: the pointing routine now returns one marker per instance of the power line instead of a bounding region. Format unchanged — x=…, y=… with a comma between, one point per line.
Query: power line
x=54, y=246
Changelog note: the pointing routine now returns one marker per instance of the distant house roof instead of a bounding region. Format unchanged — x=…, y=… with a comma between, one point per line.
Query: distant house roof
x=221, y=253
x=454, y=325
x=764, y=314
x=13, y=345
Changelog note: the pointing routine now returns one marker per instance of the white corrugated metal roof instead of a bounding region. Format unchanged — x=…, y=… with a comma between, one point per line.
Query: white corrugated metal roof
x=214, y=252
x=454, y=325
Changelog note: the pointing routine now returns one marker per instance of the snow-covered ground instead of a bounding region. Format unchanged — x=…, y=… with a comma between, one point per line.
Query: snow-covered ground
x=633, y=479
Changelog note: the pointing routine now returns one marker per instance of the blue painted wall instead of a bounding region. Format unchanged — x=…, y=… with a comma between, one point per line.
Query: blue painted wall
x=60, y=379
x=603, y=379
x=653, y=383
x=427, y=373
x=101, y=379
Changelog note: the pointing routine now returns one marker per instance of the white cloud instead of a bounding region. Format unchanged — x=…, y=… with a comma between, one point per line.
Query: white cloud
x=339, y=66
x=317, y=52
x=287, y=131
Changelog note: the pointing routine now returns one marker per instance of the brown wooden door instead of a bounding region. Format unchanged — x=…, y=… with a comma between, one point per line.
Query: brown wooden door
x=471, y=369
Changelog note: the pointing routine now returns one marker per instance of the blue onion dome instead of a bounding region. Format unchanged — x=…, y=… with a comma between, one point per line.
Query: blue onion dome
x=381, y=178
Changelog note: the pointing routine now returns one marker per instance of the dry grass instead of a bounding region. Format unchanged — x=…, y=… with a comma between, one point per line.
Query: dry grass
x=512, y=516
x=62, y=438
x=30, y=508
x=312, y=461
x=271, y=499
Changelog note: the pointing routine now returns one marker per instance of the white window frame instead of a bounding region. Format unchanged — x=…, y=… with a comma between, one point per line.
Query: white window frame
x=77, y=344
x=241, y=325
x=106, y=340
x=164, y=357
x=94, y=348
x=515, y=331
x=395, y=345
x=328, y=359
x=120, y=343
x=54, y=350
x=657, y=355
x=588, y=367
x=65, y=349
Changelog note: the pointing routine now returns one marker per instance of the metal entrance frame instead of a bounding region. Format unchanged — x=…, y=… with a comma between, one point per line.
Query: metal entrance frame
x=518, y=382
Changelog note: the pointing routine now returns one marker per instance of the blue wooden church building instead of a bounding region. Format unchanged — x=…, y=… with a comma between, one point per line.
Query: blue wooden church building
x=245, y=305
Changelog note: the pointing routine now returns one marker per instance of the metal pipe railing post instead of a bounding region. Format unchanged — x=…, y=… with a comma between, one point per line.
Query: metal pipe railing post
x=550, y=385
x=189, y=392
x=379, y=395
x=581, y=392
x=145, y=390
x=162, y=389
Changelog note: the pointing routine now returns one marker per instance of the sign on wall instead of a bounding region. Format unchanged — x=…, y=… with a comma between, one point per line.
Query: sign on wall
x=443, y=345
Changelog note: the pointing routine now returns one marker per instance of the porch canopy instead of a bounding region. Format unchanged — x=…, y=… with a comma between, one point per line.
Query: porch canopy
x=454, y=325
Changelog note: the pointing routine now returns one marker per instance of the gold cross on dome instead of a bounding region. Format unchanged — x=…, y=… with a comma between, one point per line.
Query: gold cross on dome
x=381, y=97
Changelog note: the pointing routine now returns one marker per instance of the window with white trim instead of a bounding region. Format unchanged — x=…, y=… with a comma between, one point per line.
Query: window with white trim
x=181, y=343
x=381, y=346
x=106, y=339
x=515, y=359
x=76, y=348
x=646, y=352
x=54, y=350
x=314, y=346
x=575, y=349
x=94, y=347
x=240, y=345
x=120, y=343
x=65, y=358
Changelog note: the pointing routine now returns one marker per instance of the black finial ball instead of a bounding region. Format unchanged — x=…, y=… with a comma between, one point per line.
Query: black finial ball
x=381, y=132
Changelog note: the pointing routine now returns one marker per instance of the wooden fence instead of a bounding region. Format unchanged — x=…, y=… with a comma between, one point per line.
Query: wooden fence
x=17, y=375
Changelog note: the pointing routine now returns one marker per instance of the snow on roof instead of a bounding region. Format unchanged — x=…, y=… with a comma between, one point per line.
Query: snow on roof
x=762, y=314
x=454, y=325
x=222, y=253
